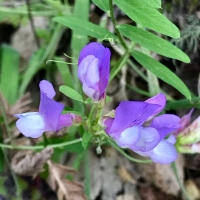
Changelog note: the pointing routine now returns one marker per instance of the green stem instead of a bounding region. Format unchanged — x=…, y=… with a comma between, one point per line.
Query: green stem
x=137, y=70
x=121, y=64
x=115, y=25
x=174, y=168
x=17, y=185
x=38, y=147
x=6, y=124
x=126, y=155
x=139, y=91
x=87, y=174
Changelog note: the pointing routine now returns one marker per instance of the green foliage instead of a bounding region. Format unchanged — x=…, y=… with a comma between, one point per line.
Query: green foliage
x=102, y=4
x=162, y=72
x=71, y=93
x=153, y=3
x=148, y=17
x=9, y=81
x=86, y=139
x=85, y=27
x=153, y=42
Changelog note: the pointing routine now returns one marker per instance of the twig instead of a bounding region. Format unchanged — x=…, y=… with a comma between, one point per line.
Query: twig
x=37, y=41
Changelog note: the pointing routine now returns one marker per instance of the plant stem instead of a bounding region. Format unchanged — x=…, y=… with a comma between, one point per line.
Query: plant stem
x=174, y=168
x=126, y=155
x=121, y=64
x=6, y=124
x=87, y=174
x=38, y=147
x=18, y=189
x=115, y=26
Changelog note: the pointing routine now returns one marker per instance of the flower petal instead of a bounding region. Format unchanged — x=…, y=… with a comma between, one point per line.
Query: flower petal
x=108, y=123
x=89, y=64
x=166, y=124
x=94, y=48
x=163, y=153
x=101, y=64
x=130, y=113
x=104, y=68
x=159, y=99
x=128, y=137
x=51, y=111
x=65, y=120
x=171, y=139
x=88, y=72
x=47, y=88
x=184, y=122
x=31, y=124
x=149, y=138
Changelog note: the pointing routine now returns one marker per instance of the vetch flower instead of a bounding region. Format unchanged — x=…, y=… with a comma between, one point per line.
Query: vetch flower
x=188, y=137
x=128, y=127
x=49, y=117
x=184, y=123
x=163, y=153
x=94, y=70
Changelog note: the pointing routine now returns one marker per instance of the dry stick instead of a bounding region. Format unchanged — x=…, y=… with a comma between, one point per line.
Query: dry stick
x=37, y=41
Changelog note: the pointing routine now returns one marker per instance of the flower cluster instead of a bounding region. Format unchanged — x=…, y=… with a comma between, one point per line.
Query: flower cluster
x=49, y=117
x=134, y=126
x=188, y=137
x=128, y=129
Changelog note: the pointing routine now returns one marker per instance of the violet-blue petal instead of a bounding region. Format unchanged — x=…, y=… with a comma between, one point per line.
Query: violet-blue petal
x=148, y=139
x=47, y=88
x=166, y=124
x=104, y=70
x=65, y=120
x=102, y=63
x=159, y=99
x=31, y=124
x=51, y=111
x=128, y=137
x=171, y=139
x=131, y=113
x=94, y=48
x=163, y=153
x=89, y=69
x=108, y=123
x=184, y=122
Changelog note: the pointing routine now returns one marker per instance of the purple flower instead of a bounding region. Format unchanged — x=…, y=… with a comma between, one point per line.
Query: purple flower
x=163, y=153
x=94, y=70
x=184, y=123
x=127, y=128
x=49, y=117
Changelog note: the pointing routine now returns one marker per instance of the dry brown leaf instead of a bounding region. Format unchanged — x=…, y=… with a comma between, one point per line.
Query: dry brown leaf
x=126, y=197
x=21, y=106
x=162, y=176
x=192, y=190
x=27, y=163
x=66, y=190
x=125, y=175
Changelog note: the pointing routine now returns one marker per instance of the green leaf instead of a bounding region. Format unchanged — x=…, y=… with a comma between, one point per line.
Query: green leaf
x=64, y=71
x=148, y=17
x=9, y=81
x=161, y=72
x=102, y=4
x=153, y=3
x=153, y=42
x=86, y=139
x=71, y=93
x=85, y=27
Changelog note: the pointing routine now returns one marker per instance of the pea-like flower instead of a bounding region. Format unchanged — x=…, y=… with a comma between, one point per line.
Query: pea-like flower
x=49, y=117
x=94, y=70
x=129, y=130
